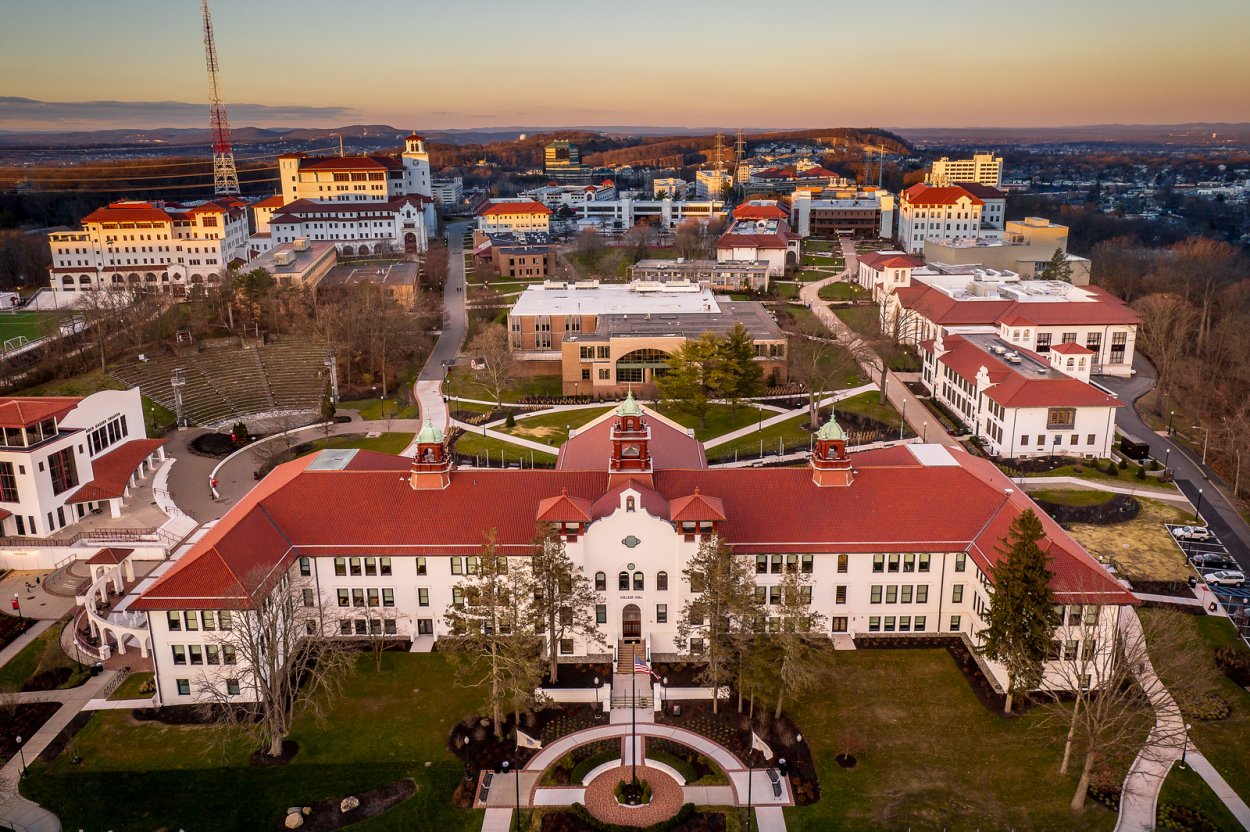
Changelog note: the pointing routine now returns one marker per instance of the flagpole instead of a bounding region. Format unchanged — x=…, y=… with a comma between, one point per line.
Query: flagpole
x=750, y=759
x=633, y=748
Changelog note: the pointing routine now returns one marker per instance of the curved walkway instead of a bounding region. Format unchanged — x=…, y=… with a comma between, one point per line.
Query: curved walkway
x=666, y=797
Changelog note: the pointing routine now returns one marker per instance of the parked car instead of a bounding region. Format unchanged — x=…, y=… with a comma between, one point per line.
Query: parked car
x=1212, y=560
x=1227, y=577
x=1192, y=533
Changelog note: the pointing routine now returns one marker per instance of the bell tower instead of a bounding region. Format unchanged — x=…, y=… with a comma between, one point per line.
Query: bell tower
x=432, y=464
x=631, y=439
x=830, y=465
x=417, y=177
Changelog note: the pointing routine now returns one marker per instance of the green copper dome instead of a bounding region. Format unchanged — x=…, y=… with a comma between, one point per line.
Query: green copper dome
x=629, y=407
x=430, y=434
x=831, y=430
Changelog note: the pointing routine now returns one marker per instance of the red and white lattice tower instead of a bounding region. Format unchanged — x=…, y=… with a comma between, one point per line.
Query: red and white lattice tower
x=225, y=177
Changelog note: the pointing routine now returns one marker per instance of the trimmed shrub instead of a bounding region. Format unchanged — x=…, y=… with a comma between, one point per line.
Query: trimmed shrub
x=1208, y=707
x=1185, y=819
x=510, y=420
x=592, y=822
x=1141, y=472
x=1123, y=464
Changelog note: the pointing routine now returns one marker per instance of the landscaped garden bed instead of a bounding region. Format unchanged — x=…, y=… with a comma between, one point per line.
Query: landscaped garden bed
x=22, y=720
x=328, y=814
x=1110, y=509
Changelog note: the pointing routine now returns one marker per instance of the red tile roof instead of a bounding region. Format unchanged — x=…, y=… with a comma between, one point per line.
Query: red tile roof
x=564, y=509
x=112, y=471
x=591, y=446
x=109, y=556
x=748, y=211
x=1012, y=388
x=943, y=310
x=929, y=195
x=352, y=163
x=133, y=212
x=274, y=201
x=896, y=504
x=1103, y=308
x=22, y=411
x=823, y=173
x=1071, y=348
x=751, y=241
x=982, y=191
x=522, y=207
x=695, y=508
x=879, y=260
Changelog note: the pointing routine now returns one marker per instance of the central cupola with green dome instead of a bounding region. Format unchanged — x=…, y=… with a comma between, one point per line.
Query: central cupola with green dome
x=830, y=465
x=631, y=438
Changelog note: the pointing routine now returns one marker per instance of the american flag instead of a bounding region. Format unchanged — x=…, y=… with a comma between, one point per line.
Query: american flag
x=641, y=666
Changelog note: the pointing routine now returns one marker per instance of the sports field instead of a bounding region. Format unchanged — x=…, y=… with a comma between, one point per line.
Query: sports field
x=33, y=325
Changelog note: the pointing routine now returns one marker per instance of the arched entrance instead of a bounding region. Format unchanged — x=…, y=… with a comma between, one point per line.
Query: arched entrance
x=410, y=242
x=631, y=623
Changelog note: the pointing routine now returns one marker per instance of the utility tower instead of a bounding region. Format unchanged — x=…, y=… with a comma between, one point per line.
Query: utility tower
x=225, y=176
x=718, y=152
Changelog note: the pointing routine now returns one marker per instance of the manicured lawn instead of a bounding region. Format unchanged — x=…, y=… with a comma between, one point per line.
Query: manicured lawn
x=823, y=260
x=720, y=419
x=93, y=382
x=1185, y=788
x=863, y=319
x=1226, y=742
x=373, y=409
x=462, y=382
x=387, y=443
x=868, y=405
x=1093, y=471
x=843, y=292
x=812, y=244
x=552, y=428
x=142, y=775
x=785, y=289
x=474, y=444
x=42, y=654
x=1073, y=496
x=789, y=432
x=803, y=317
x=930, y=755
x=129, y=689
x=31, y=325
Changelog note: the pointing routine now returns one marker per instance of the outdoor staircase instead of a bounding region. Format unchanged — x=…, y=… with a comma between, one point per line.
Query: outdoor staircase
x=625, y=656
x=624, y=684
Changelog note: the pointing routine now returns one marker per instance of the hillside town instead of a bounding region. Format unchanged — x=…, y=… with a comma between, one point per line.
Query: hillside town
x=605, y=478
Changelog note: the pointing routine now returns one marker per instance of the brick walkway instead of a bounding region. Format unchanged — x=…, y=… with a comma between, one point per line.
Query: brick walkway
x=666, y=798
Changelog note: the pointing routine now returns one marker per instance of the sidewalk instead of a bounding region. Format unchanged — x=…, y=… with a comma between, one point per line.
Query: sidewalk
x=1202, y=766
x=783, y=416
x=18, y=644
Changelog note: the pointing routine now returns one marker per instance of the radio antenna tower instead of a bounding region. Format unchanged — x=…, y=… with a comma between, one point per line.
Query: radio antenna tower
x=225, y=176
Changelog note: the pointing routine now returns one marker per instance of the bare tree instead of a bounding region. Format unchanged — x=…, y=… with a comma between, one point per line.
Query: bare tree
x=797, y=632
x=563, y=598
x=288, y=661
x=381, y=625
x=1167, y=327
x=495, y=366
x=818, y=362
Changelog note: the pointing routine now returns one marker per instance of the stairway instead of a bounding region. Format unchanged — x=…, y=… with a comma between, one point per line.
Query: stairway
x=625, y=656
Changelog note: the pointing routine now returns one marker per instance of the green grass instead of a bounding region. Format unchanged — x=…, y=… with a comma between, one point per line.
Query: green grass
x=868, y=404
x=823, y=260
x=32, y=325
x=44, y=653
x=812, y=244
x=1185, y=788
x=1088, y=471
x=812, y=275
x=93, y=382
x=787, y=290
x=930, y=756
x=474, y=444
x=863, y=319
x=1225, y=743
x=387, y=443
x=461, y=381
x=142, y=776
x=129, y=688
x=552, y=428
x=720, y=419
x=1075, y=497
x=804, y=317
x=788, y=431
x=843, y=292
x=372, y=409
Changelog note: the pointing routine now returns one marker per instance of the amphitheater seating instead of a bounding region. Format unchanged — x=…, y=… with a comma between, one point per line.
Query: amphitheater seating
x=226, y=384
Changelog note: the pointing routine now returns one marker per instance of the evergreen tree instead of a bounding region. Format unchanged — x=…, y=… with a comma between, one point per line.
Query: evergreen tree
x=694, y=377
x=563, y=598
x=1056, y=268
x=741, y=376
x=1021, y=620
x=722, y=602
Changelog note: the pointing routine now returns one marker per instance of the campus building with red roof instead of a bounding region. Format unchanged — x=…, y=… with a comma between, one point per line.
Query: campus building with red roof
x=902, y=539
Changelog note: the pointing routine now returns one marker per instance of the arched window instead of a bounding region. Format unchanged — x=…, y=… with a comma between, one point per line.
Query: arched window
x=629, y=504
x=67, y=280
x=117, y=278
x=85, y=280
x=638, y=582
x=622, y=581
x=601, y=582
x=661, y=581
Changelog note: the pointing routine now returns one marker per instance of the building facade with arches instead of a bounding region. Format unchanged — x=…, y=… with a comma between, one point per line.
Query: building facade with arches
x=899, y=540
x=165, y=248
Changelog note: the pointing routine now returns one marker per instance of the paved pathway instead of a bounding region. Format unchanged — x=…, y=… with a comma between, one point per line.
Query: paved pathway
x=784, y=415
x=922, y=422
x=1202, y=766
x=16, y=810
x=1172, y=496
x=18, y=644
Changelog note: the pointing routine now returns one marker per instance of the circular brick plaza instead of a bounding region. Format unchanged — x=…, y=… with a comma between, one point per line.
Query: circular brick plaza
x=666, y=797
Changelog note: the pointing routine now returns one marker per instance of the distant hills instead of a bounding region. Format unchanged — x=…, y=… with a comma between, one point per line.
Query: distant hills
x=1194, y=133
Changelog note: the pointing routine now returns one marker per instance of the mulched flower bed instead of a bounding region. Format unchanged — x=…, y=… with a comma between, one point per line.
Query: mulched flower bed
x=326, y=814
x=26, y=718
x=216, y=445
x=568, y=821
x=1119, y=509
x=733, y=730
x=580, y=675
x=679, y=674
x=11, y=627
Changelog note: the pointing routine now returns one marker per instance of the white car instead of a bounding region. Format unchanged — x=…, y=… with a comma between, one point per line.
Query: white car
x=1226, y=577
x=1192, y=533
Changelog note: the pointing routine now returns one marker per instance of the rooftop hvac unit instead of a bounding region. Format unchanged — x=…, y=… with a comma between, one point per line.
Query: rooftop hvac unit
x=998, y=349
x=283, y=258
x=300, y=244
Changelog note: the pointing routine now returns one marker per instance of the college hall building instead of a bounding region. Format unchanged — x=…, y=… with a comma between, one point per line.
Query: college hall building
x=899, y=540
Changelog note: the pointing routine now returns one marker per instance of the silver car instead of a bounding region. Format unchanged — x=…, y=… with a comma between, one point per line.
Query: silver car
x=1225, y=577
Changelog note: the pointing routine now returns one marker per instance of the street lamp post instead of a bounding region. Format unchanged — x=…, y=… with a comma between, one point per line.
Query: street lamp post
x=1167, y=456
x=1198, y=506
x=664, y=695
x=21, y=751
x=1206, y=440
x=924, y=431
x=597, y=708
x=1171, y=416
x=1185, y=747
x=902, y=421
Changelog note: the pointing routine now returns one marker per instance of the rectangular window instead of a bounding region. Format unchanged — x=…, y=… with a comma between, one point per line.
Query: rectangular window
x=843, y=562
x=193, y=620
x=839, y=623
x=344, y=598
x=355, y=566
x=457, y=596
x=340, y=566
x=180, y=653
x=1058, y=418
x=957, y=594
x=384, y=566
x=891, y=594
x=388, y=597
x=174, y=619
x=457, y=566
x=601, y=613
x=224, y=621
x=909, y=563
x=776, y=564
x=875, y=594
x=184, y=687
x=889, y=624
x=922, y=594
x=566, y=647
x=420, y=566
x=839, y=595
x=425, y=626
x=197, y=654
x=661, y=613
x=371, y=566
x=64, y=470
x=228, y=654
x=8, y=483
x=961, y=561
x=878, y=563
x=918, y=624
x=874, y=623
x=345, y=627
x=305, y=567
x=806, y=563
x=310, y=598
x=893, y=563
x=374, y=597
x=696, y=645
x=423, y=597
x=904, y=623
x=232, y=687
x=390, y=627
x=212, y=654
x=358, y=597
x=955, y=624
x=905, y=592
x=805, y=594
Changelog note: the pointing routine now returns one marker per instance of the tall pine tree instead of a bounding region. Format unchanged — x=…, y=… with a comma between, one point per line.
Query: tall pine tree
x=1021, y=620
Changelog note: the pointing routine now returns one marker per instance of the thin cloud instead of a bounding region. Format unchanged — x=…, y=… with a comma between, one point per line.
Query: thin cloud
x=18, y=113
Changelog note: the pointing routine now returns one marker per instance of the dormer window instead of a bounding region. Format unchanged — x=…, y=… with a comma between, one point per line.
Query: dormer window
x=630, y=503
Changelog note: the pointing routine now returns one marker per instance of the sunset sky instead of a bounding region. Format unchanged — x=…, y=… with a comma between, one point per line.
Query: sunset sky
x=74, y=64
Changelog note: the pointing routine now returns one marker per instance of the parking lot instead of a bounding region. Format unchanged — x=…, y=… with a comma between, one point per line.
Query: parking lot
x=1235, y=599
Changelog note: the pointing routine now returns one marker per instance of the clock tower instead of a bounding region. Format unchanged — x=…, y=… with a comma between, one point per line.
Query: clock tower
x=631, y=439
